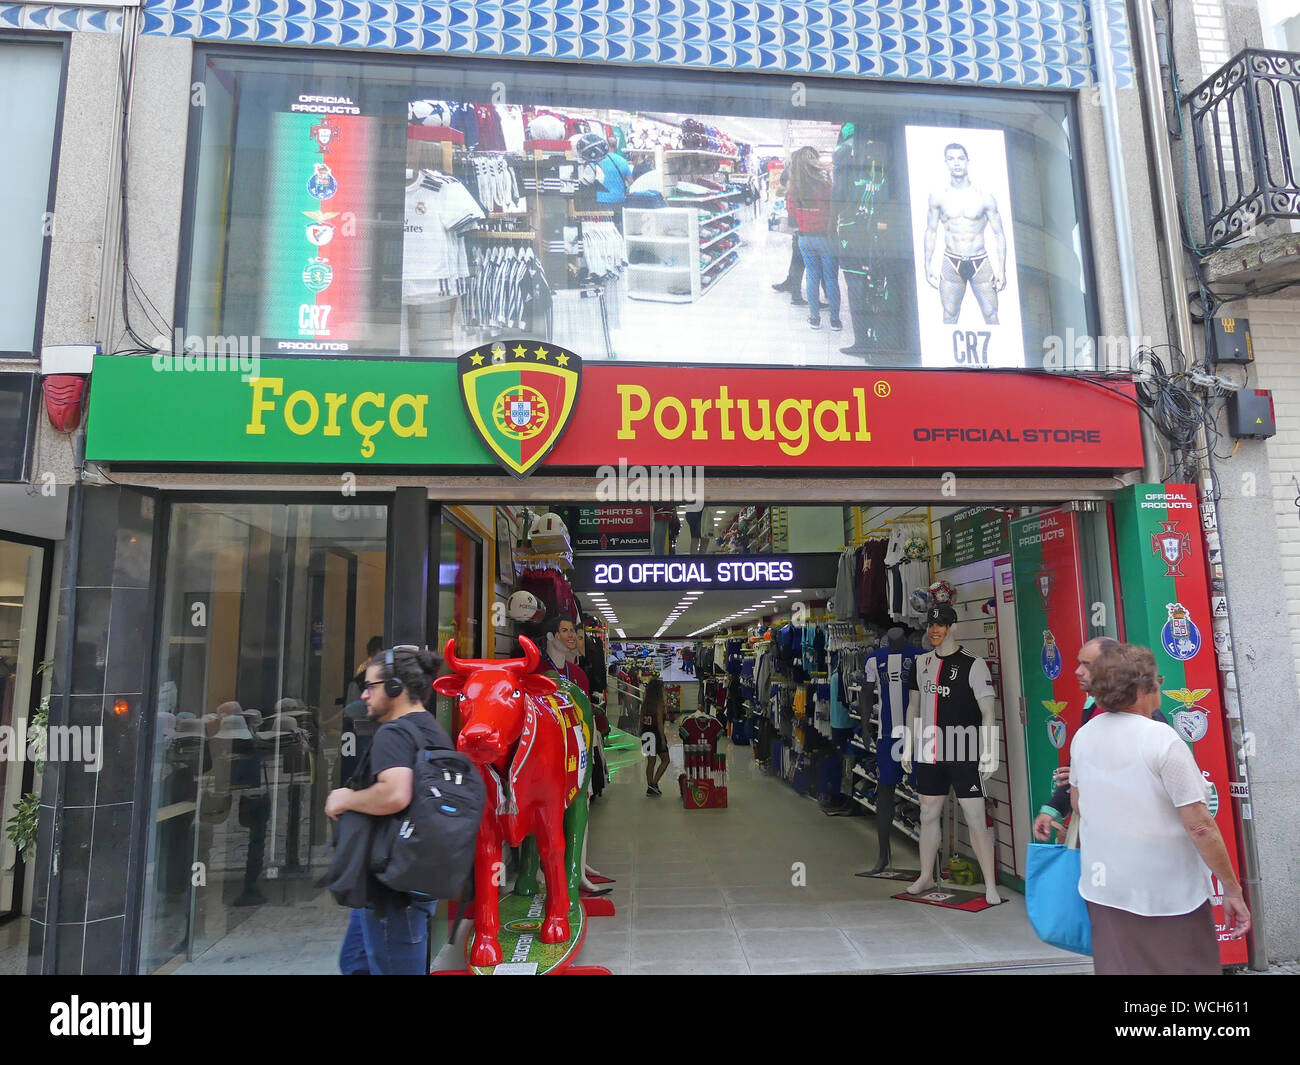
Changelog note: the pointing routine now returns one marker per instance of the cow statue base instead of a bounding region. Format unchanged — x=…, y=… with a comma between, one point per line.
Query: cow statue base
x=523, y=951
x=530, y=736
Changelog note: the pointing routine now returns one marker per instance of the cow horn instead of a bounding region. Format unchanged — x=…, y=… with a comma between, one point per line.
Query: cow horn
x=528, y=664
x=532, y=657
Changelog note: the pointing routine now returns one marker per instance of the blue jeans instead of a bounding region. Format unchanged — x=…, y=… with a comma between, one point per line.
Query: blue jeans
x=393, y=945
x=821, y=271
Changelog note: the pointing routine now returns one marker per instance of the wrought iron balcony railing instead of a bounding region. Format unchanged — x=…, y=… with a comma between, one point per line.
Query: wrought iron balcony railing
x=1246, y=128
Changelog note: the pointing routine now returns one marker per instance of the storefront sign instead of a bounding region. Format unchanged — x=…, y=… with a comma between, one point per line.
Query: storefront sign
x=971, y=535
x=814, y=570
x=609, y=528
x=1167, y=608
x=347, y=413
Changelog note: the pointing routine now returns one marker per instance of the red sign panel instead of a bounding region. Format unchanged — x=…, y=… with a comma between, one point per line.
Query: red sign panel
x=845, y=418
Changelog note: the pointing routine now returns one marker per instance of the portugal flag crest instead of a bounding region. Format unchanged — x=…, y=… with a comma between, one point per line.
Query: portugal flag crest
x=519, y=394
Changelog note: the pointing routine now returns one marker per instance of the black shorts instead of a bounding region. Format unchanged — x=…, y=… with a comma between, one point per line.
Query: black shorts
x=962, y=777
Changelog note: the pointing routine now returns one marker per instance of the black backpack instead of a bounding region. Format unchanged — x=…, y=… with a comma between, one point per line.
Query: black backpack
x=427, y=850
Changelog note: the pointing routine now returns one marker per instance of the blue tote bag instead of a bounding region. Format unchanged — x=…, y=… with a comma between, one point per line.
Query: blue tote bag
x=1056, y=909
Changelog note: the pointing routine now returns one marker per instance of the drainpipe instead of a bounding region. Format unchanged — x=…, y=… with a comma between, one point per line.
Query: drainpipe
x=1143, y=19
x=1123, y=220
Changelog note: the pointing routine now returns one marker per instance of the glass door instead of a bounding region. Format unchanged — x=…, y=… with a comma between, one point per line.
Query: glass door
x=22, y=593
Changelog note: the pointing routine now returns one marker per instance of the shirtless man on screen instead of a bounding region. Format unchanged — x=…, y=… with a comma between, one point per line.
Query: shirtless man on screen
x=964, y=212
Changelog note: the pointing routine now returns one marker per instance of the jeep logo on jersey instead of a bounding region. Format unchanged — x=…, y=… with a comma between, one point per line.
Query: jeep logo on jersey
x=519, y=395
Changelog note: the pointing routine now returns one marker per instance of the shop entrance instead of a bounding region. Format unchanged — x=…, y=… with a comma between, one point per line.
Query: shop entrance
x=794, y=671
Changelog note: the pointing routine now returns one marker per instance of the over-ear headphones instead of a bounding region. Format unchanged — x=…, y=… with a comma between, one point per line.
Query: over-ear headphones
x=393, y=684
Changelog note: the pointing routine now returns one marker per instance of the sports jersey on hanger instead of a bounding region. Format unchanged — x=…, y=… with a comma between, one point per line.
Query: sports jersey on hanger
x=702, y=729
x=438, y=210
x=950, y=689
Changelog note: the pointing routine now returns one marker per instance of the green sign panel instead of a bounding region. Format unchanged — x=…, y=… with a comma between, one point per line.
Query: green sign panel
x=294, y=411
x=971, y=535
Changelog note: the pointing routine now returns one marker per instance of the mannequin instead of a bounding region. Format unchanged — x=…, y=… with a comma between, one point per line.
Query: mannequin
x=889, y=670
x=951, y=681
x=562, y=653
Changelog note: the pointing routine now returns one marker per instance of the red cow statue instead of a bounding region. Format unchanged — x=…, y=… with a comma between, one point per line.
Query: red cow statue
x=519, y=736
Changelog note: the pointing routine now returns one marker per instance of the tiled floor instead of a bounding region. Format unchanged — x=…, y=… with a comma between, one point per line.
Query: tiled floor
x=765, y=886
x=13, y=947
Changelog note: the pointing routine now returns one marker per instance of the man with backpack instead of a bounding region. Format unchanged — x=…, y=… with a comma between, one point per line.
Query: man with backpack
x=390, y=936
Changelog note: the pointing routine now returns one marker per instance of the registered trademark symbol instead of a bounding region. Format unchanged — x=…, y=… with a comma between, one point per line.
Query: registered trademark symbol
x=882, y=389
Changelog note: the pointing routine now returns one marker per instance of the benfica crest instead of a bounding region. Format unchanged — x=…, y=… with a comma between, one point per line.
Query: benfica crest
x=1172, y=545
x=519, y=394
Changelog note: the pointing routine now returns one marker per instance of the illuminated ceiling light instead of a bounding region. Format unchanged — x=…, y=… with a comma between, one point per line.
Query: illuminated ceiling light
x=794, y=591
x=621, y=633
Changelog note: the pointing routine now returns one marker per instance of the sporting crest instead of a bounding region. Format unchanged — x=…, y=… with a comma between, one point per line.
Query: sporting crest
x=520, y=395
x=1173, y=545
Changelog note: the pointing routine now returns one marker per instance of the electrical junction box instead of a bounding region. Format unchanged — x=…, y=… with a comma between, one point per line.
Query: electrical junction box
x=1232, y=341
x=1250, y=414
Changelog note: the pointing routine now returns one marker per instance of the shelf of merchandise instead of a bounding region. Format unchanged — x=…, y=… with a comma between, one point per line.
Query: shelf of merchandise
x=654, y=234
x=699, y=153
x=909, y=832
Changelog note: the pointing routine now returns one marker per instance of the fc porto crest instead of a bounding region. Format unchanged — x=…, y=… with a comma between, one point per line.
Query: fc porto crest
x=1192, y=722
x=1051, y=656
x=1057, y=730
x=520, y=395
x=322, y=184
x=1173, y=545
x=1180, y=637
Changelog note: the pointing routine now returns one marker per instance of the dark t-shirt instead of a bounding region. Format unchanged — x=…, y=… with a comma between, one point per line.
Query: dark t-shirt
x=394, y=744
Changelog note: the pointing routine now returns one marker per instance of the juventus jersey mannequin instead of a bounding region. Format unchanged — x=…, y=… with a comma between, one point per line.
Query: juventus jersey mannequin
x=950, y=689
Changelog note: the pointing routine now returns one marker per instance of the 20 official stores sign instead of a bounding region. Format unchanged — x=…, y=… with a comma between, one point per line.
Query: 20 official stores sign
x=526, y=413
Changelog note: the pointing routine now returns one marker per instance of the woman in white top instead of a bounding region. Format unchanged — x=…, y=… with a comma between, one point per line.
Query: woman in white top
x=1148, y=843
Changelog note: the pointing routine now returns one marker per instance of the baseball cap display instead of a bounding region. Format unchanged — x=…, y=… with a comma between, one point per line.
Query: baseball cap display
x=941, y=614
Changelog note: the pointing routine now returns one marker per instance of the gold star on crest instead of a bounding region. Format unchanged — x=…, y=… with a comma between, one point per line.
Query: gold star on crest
x=476, y=359
x=541, y=354
x=561, y=360
x=520, y=351
x=498, y=353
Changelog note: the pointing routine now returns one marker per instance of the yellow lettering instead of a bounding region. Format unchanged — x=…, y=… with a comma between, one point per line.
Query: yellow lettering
x=261, y=385
x=701, y=407
x=295, y=426
x=862, y=435
x=840, y=408
x=416, y=403
x=367, y=399
x=800, y=436
x=333, y=401
x=725, y=403
x=626, y=393
x=672, y=403
x=765, y=431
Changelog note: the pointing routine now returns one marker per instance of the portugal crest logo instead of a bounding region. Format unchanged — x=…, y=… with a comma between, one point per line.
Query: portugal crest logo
x=520, y=395
x=325, y=134
x=1044, y=582
x=1172, y=545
